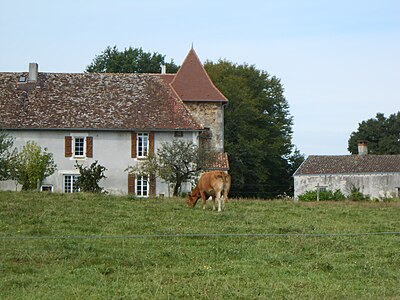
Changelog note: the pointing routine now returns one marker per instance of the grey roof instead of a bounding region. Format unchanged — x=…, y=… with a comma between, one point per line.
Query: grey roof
x=349, y=164
x=92, y=101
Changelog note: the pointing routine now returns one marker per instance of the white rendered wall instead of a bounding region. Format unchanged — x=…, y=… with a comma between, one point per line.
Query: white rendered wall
x=374, y=185
x=111, y=149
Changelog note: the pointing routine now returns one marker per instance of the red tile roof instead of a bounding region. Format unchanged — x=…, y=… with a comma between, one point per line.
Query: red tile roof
x=192, y=82
x=349, y=164
x=221, y=162
x=92, y=101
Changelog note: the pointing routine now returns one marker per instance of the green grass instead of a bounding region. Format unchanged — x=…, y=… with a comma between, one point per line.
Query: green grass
x=219, y=267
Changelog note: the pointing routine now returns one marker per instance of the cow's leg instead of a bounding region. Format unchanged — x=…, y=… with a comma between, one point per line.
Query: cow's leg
x=219, y=200
x=203, y=199
x=213, y=200
x=225, y=196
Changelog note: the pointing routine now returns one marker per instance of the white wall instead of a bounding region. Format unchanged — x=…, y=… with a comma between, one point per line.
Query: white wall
x=374, y=185
x=111, y=149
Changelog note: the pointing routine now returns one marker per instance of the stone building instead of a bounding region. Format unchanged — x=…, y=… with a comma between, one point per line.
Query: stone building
x=376, y=176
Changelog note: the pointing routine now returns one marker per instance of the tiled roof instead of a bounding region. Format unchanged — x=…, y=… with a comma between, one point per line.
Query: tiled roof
x=221, y=162
x=192, y=82
x=349, y=164
x=92, y=101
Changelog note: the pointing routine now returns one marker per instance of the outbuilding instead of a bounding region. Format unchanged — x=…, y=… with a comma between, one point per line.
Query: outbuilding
x=375, y=176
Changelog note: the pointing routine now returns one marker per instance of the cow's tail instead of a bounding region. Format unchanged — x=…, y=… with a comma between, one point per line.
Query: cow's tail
x=227, y=186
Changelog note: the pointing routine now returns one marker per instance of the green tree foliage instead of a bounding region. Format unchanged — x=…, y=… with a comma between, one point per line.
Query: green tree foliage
x=258, y=130
x=131, y=60
x=382, y=134
x=176, y=162
x=89, y=178
x=6, y=155
x=32, y=165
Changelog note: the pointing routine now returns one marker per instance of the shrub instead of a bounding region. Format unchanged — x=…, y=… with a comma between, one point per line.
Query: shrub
x=6, y=155
x=356, y=195
x=89, y=178
x=323, y=196
x=31, y=166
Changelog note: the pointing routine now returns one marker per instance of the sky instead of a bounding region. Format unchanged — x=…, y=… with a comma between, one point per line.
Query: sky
x=338, y=61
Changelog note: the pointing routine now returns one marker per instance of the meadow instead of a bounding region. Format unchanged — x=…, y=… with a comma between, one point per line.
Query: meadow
x=83, y=246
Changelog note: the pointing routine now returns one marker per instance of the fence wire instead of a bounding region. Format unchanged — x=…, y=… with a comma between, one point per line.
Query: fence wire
x=197, y=235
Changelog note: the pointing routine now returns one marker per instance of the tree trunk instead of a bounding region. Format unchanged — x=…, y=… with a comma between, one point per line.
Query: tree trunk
x=176, y=189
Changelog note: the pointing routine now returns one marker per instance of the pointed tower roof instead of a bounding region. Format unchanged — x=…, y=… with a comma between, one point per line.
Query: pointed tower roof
x=192, y=82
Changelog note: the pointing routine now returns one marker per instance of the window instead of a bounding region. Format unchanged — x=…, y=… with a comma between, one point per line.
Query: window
x=178, y=134
x=142, y=186
x=70, y=184
x=142, y=144
x=79, y=146
x=46, y=188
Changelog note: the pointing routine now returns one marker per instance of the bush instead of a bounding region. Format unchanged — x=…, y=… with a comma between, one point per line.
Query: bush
x=89, y=178
x=6, y=155
x=323, y=196
x=32, y=165
x=356, y=195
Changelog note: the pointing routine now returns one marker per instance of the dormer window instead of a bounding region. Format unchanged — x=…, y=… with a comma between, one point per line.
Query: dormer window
x=22, y=79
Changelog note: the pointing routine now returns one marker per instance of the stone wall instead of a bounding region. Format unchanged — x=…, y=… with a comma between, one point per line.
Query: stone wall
x=210, y=115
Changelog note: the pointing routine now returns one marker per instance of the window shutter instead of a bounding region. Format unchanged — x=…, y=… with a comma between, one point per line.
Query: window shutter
x=151, y=144
x=152, y=185
x=68, y=146
x=133, y=144
x=89, y=146
x=131, y=184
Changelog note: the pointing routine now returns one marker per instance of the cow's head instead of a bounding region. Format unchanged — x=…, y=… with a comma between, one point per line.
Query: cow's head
x=192, y=198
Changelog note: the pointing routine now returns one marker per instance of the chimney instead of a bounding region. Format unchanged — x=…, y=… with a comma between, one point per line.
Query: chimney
x=33, y=72
x=362, y=147
x=163, y=69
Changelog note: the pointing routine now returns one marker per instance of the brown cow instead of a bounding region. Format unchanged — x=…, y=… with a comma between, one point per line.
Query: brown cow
x=213, y=184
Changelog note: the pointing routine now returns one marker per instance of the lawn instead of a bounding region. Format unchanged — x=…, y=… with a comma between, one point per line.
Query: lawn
x=59, y=246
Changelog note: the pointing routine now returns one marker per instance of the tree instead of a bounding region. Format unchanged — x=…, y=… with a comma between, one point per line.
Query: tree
x=89, y=178
x=176, y=162
x=31, y=166
x=382, y=134
x=258, y=130
x=6, y=155
x=131, y=60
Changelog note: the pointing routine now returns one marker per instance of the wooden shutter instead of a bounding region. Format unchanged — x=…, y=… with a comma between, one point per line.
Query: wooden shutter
x=133, y=144
x=131, y=184
x=151, y=144
x=68, y=146
x=152, y=185
x=89, y=146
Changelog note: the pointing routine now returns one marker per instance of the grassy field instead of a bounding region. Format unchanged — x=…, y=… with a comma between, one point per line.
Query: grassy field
x=58, y=246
